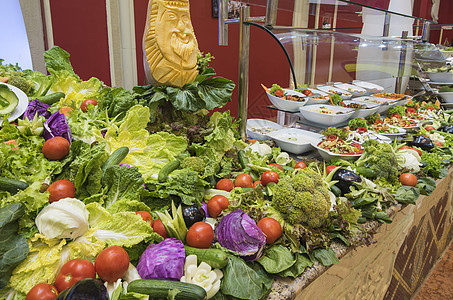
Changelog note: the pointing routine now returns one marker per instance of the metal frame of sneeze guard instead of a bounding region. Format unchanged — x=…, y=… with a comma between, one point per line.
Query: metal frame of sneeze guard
x=269, y=21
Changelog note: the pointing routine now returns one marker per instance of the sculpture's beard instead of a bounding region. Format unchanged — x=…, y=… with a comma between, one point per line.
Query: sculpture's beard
x=181, y=48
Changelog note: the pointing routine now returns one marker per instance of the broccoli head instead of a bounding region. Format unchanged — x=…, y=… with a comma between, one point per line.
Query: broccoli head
x=302, y=198
x=21, y=83
x=193, y=162
x=381, y=159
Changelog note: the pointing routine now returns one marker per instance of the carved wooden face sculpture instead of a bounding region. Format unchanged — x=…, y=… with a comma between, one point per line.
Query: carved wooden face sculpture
x=170, y=46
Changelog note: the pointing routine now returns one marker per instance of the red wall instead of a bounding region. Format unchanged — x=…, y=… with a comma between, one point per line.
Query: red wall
x=80, y=27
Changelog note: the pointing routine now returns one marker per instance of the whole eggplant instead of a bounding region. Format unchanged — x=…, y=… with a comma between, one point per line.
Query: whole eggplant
x=85, y=289
x=446, y=128
x=421, y=141
x=192, y=214
x=346, y=179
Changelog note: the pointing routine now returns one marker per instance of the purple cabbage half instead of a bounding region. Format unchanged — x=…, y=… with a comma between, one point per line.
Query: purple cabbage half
x=164, y=261
x=57, y=125
x=35, y=107
x=239, y=233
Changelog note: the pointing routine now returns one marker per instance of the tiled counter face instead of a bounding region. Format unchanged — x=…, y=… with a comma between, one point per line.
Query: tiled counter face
x=394, y=267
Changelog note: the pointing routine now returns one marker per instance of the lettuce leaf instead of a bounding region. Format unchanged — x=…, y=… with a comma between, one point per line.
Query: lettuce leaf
x=57, y=60
x=224, y=132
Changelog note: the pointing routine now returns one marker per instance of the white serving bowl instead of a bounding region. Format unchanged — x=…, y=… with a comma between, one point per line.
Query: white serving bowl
x=330, y=89
x=310, y=113
x=311, y=101
x=383, y=104
x=441, y=77
x=363, y=112
x=446, y=96
x=294, y=140
x=355, y=90
x=371, y=88
x=447, y=54
x=287, y=105
x=327, y=155
x=393, y=136
x=265, y=126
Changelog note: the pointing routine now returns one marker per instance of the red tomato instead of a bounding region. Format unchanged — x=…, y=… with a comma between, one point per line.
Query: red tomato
x=84, y=105
x=216, y=204
x=159, y=228
x=225, y=184
x=439, y=144
x=429, y=128
x=42, y=291
x=418, y=151
x=279, y=93
x=405, y=147
x=256, y=183
x=431, y=108
x=269, y=176
x=243, y=180
x=277, y=166
x=146, y=216
x=330, y=168
x=408, y=179
x=300, y=165
x=307, y=92
x=61, y=189
x=55, y=148
x=200, y=235
x=73, y=271
x=395, y=115
x=271, y=229
x=112, y=263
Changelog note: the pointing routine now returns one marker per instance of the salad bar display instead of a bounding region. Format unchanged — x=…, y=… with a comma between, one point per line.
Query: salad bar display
x=149, y=193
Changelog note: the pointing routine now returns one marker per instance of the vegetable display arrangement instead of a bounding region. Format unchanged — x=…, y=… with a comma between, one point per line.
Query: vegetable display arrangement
x=144, y=193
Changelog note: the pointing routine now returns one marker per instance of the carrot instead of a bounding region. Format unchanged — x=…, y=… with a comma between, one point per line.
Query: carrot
x=13, y=144
x=4, y=79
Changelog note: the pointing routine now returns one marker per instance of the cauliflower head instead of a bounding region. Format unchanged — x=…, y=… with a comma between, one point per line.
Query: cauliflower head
x=302, y=198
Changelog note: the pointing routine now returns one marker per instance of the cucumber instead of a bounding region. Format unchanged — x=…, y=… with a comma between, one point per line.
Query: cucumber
x=51, y=98
x=12, y=185
x=368, y=173
x=167, y=169
x=335, y=190
x=287, y=168
x=115, y=158
x=243, y=160
x=160, y=288
x=216, y=258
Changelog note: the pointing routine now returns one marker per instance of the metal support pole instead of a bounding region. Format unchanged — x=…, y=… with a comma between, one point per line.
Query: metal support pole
x=402, y=64
x=223, y=26
x=243, y=80
x=271, y=13
x=385, y=32
x=426, y=31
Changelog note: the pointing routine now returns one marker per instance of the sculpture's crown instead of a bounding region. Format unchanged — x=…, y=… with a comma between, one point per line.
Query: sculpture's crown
x=176, y=3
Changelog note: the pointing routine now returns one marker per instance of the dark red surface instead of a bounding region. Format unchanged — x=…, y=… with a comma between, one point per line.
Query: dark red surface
x=80, y=27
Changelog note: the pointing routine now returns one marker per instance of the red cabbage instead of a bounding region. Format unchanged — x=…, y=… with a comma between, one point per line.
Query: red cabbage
x=57, y=125
x=35, y=107
x=239, y=233
x=163, y=261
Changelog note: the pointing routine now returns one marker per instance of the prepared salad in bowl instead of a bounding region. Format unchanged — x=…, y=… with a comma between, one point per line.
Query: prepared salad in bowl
x=329, y=115
x=313, y=96
x=329, y=89
x=351, y=88
x=294, y=140
x=258, y=128
x=334, y=144
x=285, y=99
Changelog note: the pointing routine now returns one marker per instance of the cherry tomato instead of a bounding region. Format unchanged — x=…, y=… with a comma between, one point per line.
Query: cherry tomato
x=277, y=166
x=146, y=216
x=279, y=93
x=61, y=189
x=300, y=165
x=330, y=168
x=225, y=184
x=200, y=235
x=84, y=105
x=256, y=183
x=216, y=204
x=307, y=92
x=159, y=228
x=243, y=180
x=429, y=128
x=395, y=115
x=269, y=176
x=73, y=271
x=408, y=179
x=439, y=144
x=42, y=291
x=405, y=147
x=271, y=229
x=112, y=263
x=56, y=148
x=431, y=108
x=418, y=151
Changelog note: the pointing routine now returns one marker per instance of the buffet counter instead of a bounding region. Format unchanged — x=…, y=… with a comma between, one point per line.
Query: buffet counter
x=394, y=267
